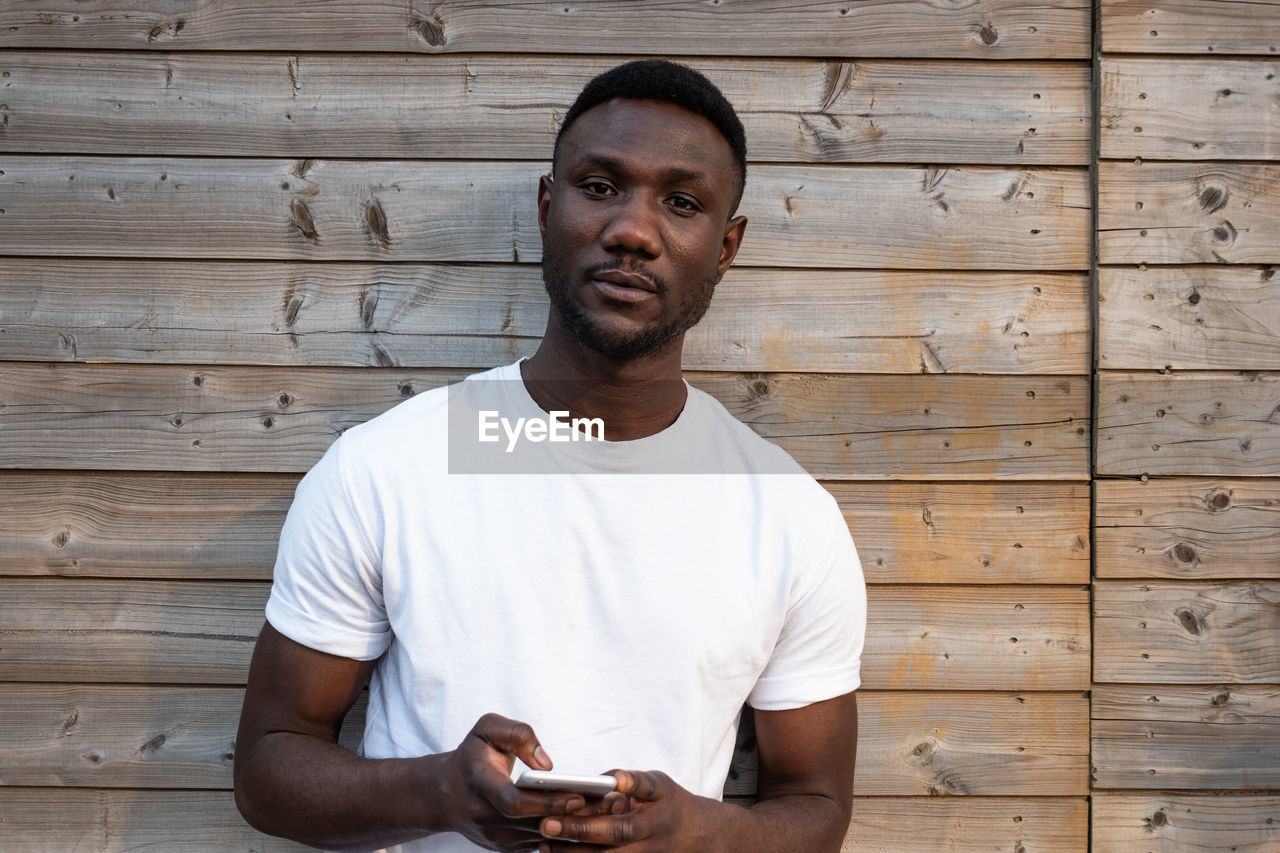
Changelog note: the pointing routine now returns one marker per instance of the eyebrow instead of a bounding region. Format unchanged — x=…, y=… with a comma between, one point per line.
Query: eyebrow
x=671, y=174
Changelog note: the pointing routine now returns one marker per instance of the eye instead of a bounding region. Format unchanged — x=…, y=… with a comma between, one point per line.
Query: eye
x=598, y=188
x=684, y=204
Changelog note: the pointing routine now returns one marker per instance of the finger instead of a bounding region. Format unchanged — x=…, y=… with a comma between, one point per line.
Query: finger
x=611, y=803
x=647, y=786
x=510, y=801
x=609, y=830
x=512, y=737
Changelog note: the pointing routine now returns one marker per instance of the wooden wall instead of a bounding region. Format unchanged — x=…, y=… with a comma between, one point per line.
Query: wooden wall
x=231, y=230
x=1186, y=632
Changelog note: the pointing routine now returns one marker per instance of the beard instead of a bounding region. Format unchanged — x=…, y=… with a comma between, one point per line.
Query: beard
x=616, y=344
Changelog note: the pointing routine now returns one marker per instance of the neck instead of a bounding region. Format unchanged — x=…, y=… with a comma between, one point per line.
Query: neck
x=634, y=397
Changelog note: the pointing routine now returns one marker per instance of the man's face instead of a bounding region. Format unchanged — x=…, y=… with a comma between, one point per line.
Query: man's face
x=635, y=227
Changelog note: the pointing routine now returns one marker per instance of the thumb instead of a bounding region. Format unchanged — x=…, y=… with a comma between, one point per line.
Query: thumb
x=513, y=738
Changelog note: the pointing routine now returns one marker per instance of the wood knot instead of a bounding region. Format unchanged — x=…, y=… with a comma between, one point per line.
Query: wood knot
x=285, y=400
x=405, y=389
x=268, y=422
x=1218, y=501
x=1184, y=553
x=758, y=390
x=61, y=538
x=302, y=220
x=431, y=30
x=922, y=749
x=988, y=34
x=1159, y=819
x=1213, y=198
x=1224, y=233
x=1194, y=298
x=1190, y=621
x=376, y=220
x=1221, y=699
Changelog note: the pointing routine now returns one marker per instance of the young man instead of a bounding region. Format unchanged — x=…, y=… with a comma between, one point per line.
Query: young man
x=610, y=602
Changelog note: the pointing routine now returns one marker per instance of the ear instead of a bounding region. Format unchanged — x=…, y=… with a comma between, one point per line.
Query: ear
x=544, y=201
x=729, y=246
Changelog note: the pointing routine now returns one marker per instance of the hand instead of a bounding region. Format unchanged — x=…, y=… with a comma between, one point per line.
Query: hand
x=481, y=801
x=649, y=813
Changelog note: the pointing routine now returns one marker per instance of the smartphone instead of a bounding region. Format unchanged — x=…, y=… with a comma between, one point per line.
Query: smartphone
x=546, y=780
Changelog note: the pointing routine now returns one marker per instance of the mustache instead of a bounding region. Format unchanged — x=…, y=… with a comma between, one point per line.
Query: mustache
x=630, y=265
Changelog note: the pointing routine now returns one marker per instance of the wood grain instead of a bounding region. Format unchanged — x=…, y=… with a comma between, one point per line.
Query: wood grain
x=1178, y=109
x=1190, y=26
x=1211, y=425
x=971, y=534
x=59, y=629
x=910, y=744
x=808, y=216
x=1188, y=529
x=1186, y=737
x=1005, y=29
x=488, y=107
x=1175, y=213
x=1189, y=318
x=1182, y=633
x=275, y=420
x=1185, y=823
x=416, y=315
x=104, y=820
x=226, y=527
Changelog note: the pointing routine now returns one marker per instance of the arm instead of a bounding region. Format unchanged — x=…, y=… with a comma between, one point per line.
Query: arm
x=804, y=796
x=293, y=779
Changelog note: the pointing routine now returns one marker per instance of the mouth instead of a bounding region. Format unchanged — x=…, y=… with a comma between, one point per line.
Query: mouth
x=623, y=286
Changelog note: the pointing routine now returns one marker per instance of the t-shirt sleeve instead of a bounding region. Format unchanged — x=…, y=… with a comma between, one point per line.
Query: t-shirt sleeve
x=819, y=650
x=327, y=590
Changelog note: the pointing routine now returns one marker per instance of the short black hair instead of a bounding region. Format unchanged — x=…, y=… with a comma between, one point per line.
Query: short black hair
x=667, y=82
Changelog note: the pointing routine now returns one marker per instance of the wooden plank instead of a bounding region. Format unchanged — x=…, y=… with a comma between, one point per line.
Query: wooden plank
x=909, y=743
x=1205, y=109
x=97, y=820
x=1005, y=29
x=1176, y=213
x=1190, y=26
x=485, y=106
x=1186, y=737
x=1211, y=425
x=968, y=825
x=104, y=820
x=1190, y=318
x=971, y=534
x=1188, y=529
x=190, y=526
x=1180, y=633
x=262, y=419
x=356, y=314
x=58, y=629
x=810, y=216
x=226, y=527
x=142, y=525
x=1185, y=823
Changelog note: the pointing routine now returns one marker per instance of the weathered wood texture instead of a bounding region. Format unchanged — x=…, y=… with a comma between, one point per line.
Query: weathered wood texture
x=57, y=629
x=1227, y=425
x=247, y=419
x=1183, y=633
x=1191, y=26
x=970, y=534
x=1175, y=109
x=968, y=825
x=1005, y=29
x=911, y=743
x=1185, y=823
x=411, y=315
x=1187, y=213
x=226, y=527
x=1186, y=737
x=97, y=820
x=809, y=216
x=485, y=106
x=1190, y=318
x=1183, y=529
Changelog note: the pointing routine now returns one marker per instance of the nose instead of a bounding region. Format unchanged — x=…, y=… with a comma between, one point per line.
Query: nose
x=633, y=229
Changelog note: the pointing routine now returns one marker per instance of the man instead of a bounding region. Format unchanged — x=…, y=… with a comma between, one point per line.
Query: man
x=611, y=603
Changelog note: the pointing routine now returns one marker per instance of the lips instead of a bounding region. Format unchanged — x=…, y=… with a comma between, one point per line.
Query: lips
x=629, y=280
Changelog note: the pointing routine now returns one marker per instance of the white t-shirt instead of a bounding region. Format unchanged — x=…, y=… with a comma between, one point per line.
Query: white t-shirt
x=623, y=598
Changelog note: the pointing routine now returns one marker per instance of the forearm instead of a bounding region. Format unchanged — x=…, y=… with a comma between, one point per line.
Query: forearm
x=798, y=823
x=316, y=792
